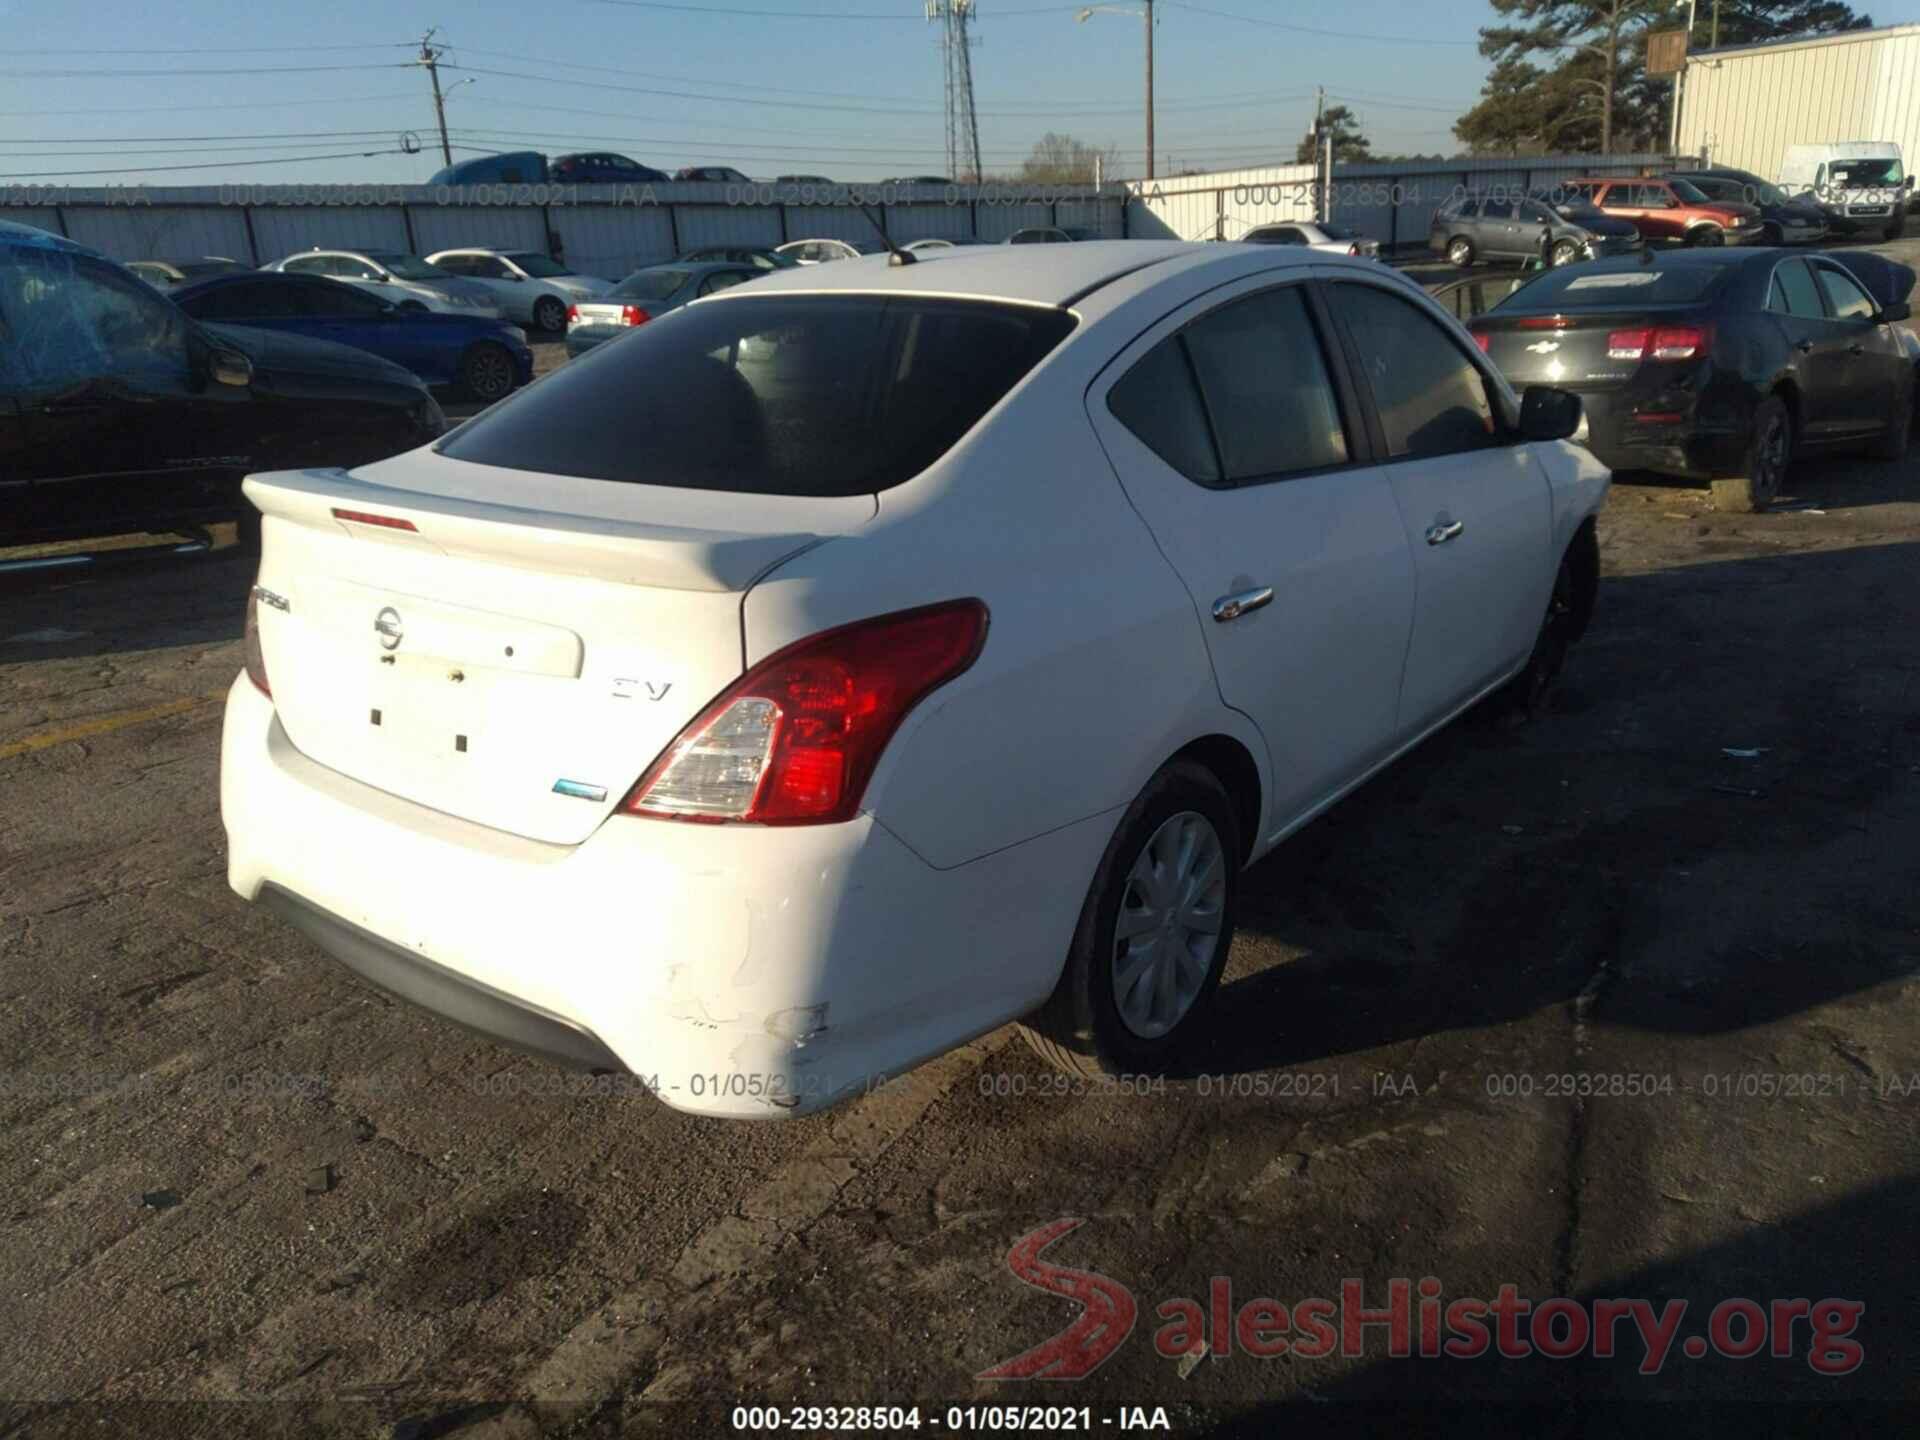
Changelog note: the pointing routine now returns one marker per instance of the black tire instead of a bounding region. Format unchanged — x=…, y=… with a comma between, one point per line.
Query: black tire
x=1770, y=234
x=1706, y=235
x=1569, y=609
x=1894, y=440
x=486, y=371
x=1460, y=252
x=1896, y=229
x=1768, y=455
x=549, y=315
x=1565, y=252
x=1081, y=1029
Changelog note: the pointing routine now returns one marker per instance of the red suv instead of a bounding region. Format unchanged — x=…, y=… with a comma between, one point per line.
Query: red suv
x=1673, y=210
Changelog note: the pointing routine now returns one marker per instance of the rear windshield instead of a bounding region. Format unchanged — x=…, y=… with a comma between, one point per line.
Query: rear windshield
x=649, y=285
x=1338, y=232
x=810, y=395
x=1582, y=287
x=538, y=266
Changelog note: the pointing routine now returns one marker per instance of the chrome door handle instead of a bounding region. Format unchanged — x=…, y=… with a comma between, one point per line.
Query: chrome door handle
x=1440, y=534
x=1232, y=607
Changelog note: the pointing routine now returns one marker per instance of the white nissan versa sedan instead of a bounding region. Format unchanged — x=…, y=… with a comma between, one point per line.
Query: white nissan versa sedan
x=845, y=665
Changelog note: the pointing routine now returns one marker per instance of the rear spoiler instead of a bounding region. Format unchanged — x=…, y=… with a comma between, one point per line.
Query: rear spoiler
x=627, y=552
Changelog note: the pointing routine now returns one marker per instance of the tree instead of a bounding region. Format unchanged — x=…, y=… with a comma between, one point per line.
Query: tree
x=1063, y=160
x=1348, y=143
x=1570, y=75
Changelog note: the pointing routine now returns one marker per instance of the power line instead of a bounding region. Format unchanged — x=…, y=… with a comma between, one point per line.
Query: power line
x=1314, y=30
x=222, y=165
x=231, y=105
x=249, y=70
x=222, y=49
x=314, y=135
x=814, y=14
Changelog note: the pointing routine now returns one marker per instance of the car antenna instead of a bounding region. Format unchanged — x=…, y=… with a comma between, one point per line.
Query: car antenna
x=895, y=255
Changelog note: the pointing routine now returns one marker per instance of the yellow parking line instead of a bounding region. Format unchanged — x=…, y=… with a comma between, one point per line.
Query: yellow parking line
x=104, y=723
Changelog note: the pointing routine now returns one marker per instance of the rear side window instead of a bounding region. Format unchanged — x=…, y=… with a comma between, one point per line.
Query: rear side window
x=1432, y=399
x=1793, y=285
x=811, y=395
x=1158, y=401
x=1266, y=387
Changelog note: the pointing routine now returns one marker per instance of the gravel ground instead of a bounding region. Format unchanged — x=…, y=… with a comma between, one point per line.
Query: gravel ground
x=245, y=1194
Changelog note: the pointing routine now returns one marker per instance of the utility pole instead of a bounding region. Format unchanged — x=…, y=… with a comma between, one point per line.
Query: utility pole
x=430, y=58
x=1149, y=89
x=1713, y=40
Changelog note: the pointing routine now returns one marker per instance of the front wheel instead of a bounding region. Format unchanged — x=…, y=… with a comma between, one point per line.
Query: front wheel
x=1770, y=234
x=486, y=372
x=1765, y=469
x=1565, y=252
x=1460, y=251
x=1707, y=235
x=1153, y=936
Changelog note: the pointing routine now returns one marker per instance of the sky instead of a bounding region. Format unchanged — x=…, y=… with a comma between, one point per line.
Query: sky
x=251, y=93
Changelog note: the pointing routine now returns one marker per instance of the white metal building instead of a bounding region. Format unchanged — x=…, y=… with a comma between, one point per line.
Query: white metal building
x=1744, y=105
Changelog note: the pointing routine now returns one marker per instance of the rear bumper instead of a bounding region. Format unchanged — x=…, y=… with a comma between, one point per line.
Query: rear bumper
x=1626, y=431
x=737, y=971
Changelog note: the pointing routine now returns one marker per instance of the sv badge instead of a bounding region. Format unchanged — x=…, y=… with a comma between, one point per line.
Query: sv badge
x=624, y=689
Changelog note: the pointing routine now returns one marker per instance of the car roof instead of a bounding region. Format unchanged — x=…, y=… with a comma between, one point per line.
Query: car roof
x=1036, y=275
x=32, y=237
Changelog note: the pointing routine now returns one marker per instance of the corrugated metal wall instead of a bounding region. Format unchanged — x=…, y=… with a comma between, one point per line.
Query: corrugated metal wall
x=603, y=230
x=1745, y=107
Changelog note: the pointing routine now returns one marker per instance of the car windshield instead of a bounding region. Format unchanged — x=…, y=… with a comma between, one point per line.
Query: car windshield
x=1690, y=192
x=650, y=284
x=1568, y=205
x=1586, y=287
x=538, y=265
x=811, y=395
x=407, y=267
x=1861, y=174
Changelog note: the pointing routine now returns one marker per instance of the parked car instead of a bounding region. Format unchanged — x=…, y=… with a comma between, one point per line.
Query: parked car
x=520, y=167
x=808, y=676
x=165, y=274
x=1323, y=235
x=603, y=167
x=1666, y=209
x=802, y=180
x=1713, y=366
x=917, y=180
x=1048, y=235
x=1784, y=219
x=528, y=287
x=120, y=413
x=1477, y=294
x=819, y=252
x=1859, y=184
x=1890, y=283
x=758, y=256
x=486, y=358
x=932, y=242
x=1472, y=227
x=407, y=280
x=645, y=295
x=714, y=173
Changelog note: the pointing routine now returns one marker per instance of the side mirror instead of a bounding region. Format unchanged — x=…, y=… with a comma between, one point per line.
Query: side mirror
x=1549, y=414
x=1899, y=310
x=229, y=367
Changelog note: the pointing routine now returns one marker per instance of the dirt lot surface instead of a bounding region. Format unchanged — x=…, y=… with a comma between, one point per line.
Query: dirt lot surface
x=1624, y=1002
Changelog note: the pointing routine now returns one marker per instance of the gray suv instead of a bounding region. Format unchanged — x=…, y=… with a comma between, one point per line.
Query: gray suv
x=1494, y=226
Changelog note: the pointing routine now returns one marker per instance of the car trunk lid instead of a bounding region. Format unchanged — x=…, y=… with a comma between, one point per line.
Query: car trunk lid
x=509, y=649
x=1572, y=349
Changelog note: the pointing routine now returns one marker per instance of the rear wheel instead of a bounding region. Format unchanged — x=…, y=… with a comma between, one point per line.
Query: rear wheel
x=1460, y=251
x=1569, y=608
x=486, y=372
x=1766, y=464
x=549, y=315
x=1153, y=935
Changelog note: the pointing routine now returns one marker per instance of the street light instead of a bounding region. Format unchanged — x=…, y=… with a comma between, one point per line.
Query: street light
x=1086, y=13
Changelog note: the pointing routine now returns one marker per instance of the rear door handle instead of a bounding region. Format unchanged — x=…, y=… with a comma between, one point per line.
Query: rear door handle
x=1232, y=607
x=1440, y=534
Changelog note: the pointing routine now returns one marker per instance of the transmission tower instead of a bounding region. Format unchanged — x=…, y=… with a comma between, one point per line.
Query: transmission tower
x=963, y=125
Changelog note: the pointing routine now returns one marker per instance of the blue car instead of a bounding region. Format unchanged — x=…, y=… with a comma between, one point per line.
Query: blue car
x=486, y=358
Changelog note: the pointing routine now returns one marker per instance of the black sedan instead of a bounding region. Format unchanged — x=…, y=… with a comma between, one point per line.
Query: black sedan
x=1784, y=219
x=1717, y=365
x=119, y=414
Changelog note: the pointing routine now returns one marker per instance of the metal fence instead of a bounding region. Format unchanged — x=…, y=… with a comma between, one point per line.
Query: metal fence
x=599, y=229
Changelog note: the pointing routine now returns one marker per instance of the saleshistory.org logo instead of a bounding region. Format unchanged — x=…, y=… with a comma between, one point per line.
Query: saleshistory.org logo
x=1464, y=1328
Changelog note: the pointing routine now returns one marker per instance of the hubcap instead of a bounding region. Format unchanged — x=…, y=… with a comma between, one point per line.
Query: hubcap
x=1457, y=252
x=1168, y=929
x=552, y=315
x=492, y=375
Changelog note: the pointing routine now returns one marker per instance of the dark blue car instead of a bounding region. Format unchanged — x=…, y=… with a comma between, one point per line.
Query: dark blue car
x=486, y=358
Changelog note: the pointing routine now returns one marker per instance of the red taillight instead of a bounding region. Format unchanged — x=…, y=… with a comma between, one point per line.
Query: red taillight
x=1482, y=341
x=633, y=315
x=1544, y=322
x=1626, y=344
x=256, y=660
x=1353, y=249
x=1681, y=342
x=573, y=314
x=364, y=517
x=795, y=740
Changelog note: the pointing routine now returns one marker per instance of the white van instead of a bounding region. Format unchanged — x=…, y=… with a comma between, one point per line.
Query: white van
x=1861, y=184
